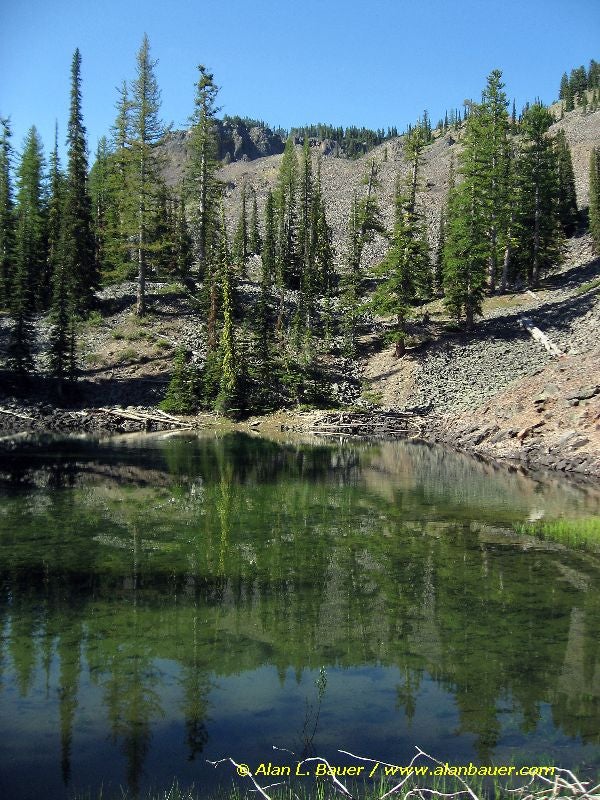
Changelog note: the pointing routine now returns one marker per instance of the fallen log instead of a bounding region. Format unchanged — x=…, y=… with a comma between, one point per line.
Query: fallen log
x=143, y=416
x=541, y=337
x=14, y=414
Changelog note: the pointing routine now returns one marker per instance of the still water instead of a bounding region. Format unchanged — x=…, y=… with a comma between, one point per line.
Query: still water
x=164, y=601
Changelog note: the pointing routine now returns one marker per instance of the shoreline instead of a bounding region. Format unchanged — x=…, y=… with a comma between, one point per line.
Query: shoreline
x=522, y=449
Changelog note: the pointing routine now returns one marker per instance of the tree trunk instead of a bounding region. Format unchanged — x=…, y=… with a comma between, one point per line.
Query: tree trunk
x=400, y=341
x=535, y=273
x=141, y=288
x=507, y=257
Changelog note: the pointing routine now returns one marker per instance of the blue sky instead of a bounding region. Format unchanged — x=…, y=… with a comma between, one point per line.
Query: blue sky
x=374, y=63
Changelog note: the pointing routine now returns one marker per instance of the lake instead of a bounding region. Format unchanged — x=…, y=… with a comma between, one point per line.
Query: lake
x=168, y=600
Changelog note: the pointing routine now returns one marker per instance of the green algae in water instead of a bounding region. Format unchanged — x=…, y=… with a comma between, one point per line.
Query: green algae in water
x=164, y=602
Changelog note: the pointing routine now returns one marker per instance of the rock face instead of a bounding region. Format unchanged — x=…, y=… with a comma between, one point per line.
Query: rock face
x=236, y=141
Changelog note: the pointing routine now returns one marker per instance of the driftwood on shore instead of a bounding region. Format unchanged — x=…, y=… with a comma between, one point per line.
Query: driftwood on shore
x=377, y=423
x=147, y=417
x=14, y=414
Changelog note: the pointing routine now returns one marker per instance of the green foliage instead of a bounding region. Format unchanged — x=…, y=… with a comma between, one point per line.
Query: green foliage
x=352, y=141
x=202, y=186
x=406, y=269
x=7, y=216
x=147, y=129
x=465, y=255
x=539, y=232
x=77, y=239
x=255, y=240
x=182, y=392
x=567, y=197
x=241, y=239
x=31, y=210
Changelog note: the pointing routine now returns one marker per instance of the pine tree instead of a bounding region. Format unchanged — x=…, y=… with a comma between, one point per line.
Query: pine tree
x=484, y=164
x=99, y=184
x=540, y=233
x=147, y=130
x=30, y=254
x=77, y=240
x=405, y=269
x=564, y=87
x=227, y=400
x=567, y=197
x=240, y=239
x=365, y=222
x=595, y=198
x=269, y=249
x=201, y=184
x=288, y=255
x=181, y=394
x=31, y=212
x=465, y=255
x=183, y=246
x=62, y=353
x=255, y=241
x=7, y=216
x=120, y=213
x=321, y=241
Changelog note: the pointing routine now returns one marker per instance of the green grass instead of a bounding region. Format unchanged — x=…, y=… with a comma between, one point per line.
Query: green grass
x=129, y=354
x=95, y=319
x=580, y=532
x=586, y=287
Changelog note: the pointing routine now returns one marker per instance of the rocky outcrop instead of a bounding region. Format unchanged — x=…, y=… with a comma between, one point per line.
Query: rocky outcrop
x=236, y=142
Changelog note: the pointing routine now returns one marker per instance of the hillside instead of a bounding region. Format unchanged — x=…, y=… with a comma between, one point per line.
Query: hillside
x=447, y=377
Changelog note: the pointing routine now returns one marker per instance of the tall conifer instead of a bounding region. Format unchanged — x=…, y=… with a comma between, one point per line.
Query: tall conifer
x=7, y=215
x=77, y=241
x=147, y=129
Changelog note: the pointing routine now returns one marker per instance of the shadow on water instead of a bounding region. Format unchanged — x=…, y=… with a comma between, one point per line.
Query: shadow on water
x=168, y=600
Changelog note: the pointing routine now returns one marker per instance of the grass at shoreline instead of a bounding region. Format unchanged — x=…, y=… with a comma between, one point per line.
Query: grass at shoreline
x=581, y=532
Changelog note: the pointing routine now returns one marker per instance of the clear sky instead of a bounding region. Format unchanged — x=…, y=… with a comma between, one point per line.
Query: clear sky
x=289, y=62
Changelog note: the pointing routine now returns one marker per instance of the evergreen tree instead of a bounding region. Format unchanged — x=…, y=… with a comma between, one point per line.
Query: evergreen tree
x=595, y=198
x=99, y=183
x=269, y=249
x=240, y=239
x=484, y=164
x=31, y=212
x=438, y=267
x=183, y=246
x=147, y=129
x=63, y=332
x=255, y=241
x=564, y=87
x=405, y=269
x=30, y=253
x=227, y=399
x=181, y=394
x=567, y=197
x=365, y=222
x=202, y=185
x=540, y=233
x=465, y=255
x=7, y=216
x=321, y=241
x=120, y=211
x=288, y=255
x=77, y=240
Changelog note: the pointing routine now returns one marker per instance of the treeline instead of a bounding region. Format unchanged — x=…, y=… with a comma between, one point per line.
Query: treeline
x=575, y=88
x=352, y=141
